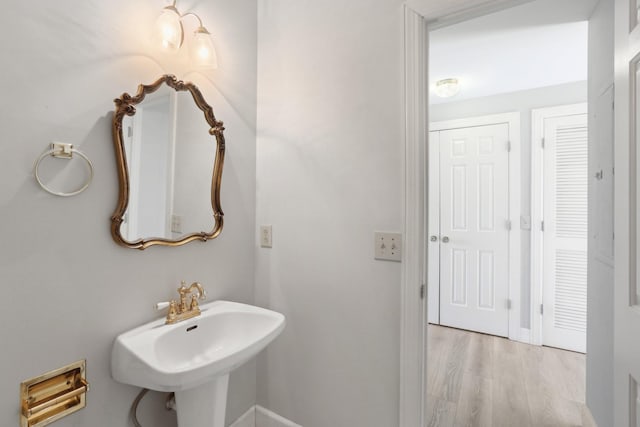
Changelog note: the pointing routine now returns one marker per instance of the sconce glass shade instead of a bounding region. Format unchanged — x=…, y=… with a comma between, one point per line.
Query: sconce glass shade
x=202, y=52
x=447, y=88
x=168, y=30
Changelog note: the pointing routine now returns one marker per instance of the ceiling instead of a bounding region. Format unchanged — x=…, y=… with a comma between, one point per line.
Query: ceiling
x=535, y=44
x=446, y=12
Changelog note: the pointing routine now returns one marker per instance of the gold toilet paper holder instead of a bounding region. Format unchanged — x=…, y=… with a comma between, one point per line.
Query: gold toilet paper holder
x=51, y=396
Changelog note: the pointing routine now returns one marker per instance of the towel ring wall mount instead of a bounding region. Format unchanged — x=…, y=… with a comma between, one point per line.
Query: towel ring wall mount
x=61, y=150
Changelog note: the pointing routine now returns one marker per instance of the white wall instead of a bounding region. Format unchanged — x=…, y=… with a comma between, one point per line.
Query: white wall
x=522, y=102
x=68, y=289
x=601, y=274
x=329, y=173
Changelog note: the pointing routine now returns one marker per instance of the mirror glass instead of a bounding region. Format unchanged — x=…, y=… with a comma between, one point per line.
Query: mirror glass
x=169, y=151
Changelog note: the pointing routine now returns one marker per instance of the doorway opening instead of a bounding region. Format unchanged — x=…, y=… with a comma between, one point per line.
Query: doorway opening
x=607, y=371
x=513, y=63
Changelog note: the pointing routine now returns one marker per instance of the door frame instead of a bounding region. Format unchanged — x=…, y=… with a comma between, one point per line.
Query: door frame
x=626, y=311
x=413, y=309
x=538, y=116
x=512, y=119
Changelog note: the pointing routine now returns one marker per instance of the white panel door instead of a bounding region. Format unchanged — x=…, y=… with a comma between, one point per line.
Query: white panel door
x=474, y=236
x=565, y=181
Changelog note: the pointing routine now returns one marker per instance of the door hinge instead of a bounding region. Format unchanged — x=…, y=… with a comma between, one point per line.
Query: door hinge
x=542, y=144
x=542, y=226
x=509, y=304
x=508, y=146
x=422, y=289
x=541, y=308
x=129, y=131
x=508, y=224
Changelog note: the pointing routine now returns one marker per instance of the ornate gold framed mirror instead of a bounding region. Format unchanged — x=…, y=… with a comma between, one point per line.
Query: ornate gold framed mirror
x=169, y=166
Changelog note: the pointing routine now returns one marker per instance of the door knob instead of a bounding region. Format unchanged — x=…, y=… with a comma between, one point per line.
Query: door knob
x=445, y=239
x=434, y=238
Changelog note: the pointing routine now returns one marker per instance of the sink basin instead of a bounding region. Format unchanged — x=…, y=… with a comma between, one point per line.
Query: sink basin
x=189, y=353
x=194, y=357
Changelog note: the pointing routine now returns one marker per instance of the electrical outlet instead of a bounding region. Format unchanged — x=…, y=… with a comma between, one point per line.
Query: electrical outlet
x=265, y=236
x=176, y=223
x=388, y=246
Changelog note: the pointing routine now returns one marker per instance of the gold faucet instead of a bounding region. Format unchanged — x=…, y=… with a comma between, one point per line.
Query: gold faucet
x=183, y=311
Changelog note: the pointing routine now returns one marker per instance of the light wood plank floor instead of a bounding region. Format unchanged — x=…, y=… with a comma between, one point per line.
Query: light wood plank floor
x=477, y=380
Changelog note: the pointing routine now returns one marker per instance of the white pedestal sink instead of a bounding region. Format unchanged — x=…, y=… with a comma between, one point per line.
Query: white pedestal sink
x=193, y=358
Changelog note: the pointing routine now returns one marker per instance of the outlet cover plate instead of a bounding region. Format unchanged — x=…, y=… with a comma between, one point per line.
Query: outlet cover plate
x=176, y=223
x=265, y=236
x=388, y=246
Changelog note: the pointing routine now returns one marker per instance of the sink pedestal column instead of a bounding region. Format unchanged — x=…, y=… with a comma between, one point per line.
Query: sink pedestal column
x=203, y=406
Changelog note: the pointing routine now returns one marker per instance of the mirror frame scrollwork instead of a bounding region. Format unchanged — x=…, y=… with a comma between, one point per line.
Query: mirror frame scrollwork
x=126, y=105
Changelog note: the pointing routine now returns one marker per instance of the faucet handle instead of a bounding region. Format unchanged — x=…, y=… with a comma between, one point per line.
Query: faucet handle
x=172, y=313
x=162, y=305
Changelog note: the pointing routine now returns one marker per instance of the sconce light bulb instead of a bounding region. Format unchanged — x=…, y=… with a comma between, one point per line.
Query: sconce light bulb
x=203, y=53
x=168, y=30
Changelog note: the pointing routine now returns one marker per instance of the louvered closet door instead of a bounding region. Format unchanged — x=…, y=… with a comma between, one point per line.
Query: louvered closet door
x=565, y=232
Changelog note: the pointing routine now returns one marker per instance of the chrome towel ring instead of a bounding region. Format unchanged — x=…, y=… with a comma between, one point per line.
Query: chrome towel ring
x=63, y=151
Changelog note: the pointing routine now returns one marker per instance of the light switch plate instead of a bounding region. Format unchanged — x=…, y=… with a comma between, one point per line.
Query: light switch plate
x=265, y=236
x=525, y=222
x=388, y=246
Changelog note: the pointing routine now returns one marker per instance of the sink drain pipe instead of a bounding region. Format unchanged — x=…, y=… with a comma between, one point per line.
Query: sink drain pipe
x=170, y=404
x=134, y=406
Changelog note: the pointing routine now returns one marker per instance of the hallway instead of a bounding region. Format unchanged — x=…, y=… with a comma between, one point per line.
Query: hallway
x=482, y=380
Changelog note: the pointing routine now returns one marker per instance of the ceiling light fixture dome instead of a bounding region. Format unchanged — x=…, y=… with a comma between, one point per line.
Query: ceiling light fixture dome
x=446, y=88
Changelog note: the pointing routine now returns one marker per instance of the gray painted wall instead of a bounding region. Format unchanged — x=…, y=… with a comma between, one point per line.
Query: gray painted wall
x=522, y=102
x=329, y=173
x=68, y=289
x=600, y=275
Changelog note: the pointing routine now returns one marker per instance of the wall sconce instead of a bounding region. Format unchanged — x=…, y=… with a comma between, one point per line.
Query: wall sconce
x=446, y=88
x=170, y=36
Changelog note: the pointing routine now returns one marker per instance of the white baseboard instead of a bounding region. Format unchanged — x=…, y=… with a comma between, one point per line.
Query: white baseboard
x=587, y=417
x=248, y=419
x=524, y=336
x=266, y=418
x=257, y=416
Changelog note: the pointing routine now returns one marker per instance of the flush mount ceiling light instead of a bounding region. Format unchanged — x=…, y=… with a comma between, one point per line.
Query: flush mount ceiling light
x=446, y=88
x=169, y=35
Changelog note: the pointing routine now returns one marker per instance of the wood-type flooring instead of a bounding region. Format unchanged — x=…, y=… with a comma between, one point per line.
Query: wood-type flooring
x=477, y=380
